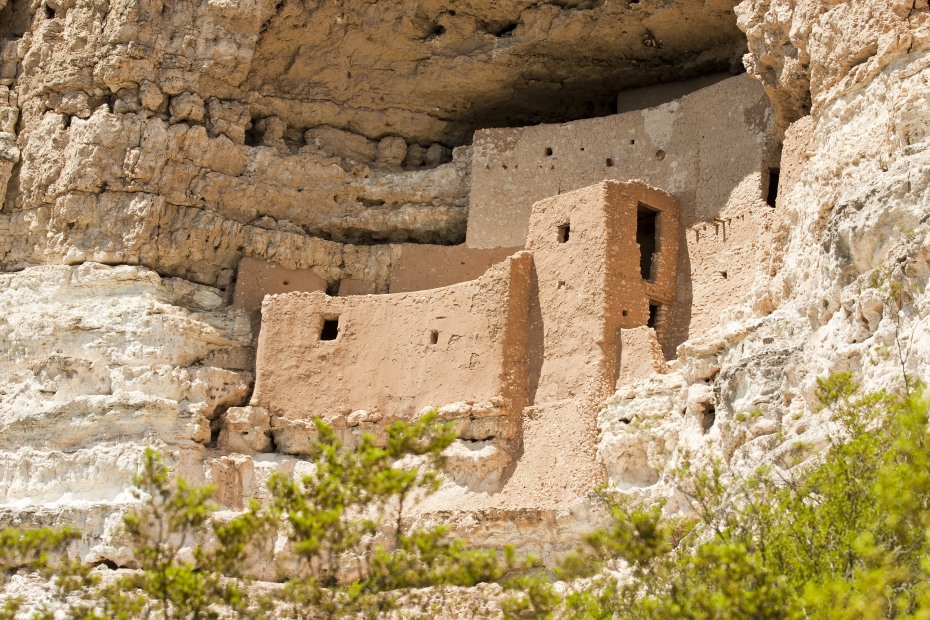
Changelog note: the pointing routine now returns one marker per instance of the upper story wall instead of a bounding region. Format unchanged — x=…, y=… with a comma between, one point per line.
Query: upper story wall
x=597, y=273
x=710, y=149
x=699, y=148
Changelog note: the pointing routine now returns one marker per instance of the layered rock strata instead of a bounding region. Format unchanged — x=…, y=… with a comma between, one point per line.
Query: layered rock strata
x=145, y=148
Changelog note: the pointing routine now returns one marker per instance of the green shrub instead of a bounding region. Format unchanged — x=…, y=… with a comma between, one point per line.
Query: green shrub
x=844, y=536
x=847, y=537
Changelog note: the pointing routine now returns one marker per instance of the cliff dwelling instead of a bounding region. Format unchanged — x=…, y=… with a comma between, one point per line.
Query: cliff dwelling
x=542, y=329
x=600, y=237
x=572, y=276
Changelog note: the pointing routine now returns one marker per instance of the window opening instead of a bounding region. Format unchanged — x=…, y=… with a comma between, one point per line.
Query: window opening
x=653, y=315
x=773, y=187
x=646, y=238
x=564, y=232
x=332, y=288
x=548, y=151
x=330, y=329
x=433, y=336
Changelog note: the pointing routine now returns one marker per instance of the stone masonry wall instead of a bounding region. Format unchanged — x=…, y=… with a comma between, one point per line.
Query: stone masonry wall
x=710, y=149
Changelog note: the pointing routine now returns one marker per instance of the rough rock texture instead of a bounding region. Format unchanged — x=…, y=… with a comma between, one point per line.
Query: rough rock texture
x=813, y=52
x=169, y=140
x=217, y=129
x=852, y=216
x=98, y=361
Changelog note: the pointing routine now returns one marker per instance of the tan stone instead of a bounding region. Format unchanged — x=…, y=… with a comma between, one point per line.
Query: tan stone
x=187, y=107
x=391, y=151
x=150, y=96
x=231, y=474
x=420, y=267
x=256, y=278
x=228, y=118
x=640, y=355
x=245, y=430
x=333, y=142
x=9, y=157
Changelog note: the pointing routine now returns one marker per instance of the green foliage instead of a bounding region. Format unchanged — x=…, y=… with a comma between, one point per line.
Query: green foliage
x=29, y=550
x=848, y=537
x=348, y=554
x=336, y=518
x=170, y=584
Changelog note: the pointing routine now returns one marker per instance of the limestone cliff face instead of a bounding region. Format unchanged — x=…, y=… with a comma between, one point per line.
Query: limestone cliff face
x=146, y=147
x=850, y=81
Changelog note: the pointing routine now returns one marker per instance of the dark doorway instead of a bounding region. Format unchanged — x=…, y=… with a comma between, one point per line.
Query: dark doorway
x=653, y=316
x=773, y=187
x=646, y=238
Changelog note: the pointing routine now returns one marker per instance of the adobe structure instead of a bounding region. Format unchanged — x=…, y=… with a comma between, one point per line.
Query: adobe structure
x=540, y=335
x=711, y=148
x=572, y=278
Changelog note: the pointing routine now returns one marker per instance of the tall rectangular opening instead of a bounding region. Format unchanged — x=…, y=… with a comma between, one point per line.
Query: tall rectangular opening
x=646, y=238
x=653, y=315
x=772, y=194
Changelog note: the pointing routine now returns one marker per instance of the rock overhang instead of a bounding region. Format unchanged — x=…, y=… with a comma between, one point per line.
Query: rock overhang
x=438, y=70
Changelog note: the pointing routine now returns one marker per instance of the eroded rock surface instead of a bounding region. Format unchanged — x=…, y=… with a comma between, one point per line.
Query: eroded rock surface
x=99, y=361
x=851, y=219
x=147, y=147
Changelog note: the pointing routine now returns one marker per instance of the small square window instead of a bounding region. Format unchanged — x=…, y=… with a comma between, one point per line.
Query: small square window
x=330, y=329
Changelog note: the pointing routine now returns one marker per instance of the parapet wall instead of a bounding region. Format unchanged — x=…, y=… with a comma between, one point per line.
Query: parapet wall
x=257, y=278
x=418, y=267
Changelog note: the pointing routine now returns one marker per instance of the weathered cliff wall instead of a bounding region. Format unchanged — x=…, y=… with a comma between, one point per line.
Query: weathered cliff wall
x=146, y=147
x=848, y=79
